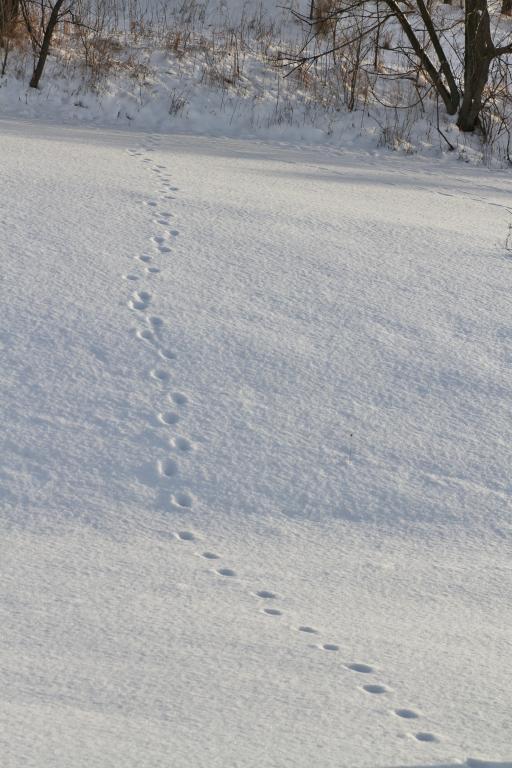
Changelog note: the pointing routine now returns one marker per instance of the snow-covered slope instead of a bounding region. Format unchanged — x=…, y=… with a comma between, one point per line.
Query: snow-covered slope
x=255, y=455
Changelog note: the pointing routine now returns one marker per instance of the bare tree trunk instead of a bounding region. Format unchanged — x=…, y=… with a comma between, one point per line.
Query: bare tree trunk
x=447, y=89
x=479, y=50
x=45, y=45
x=506, y=7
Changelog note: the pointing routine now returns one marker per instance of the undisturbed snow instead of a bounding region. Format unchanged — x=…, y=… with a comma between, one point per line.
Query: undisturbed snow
x=297, y=361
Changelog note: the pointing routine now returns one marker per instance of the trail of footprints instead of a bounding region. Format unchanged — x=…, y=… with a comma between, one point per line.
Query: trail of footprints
x=170, y=415
x=152, y=331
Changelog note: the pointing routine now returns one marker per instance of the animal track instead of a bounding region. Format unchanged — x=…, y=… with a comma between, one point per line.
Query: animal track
x=364, y=669
x=159, y=375
x=182, y=500
x=145, y=335
x=162, y=241
x=168, y=418
x=181, y=444
x=407, y=714
x=168, y=467
x=178, y=398
x=185, y=536
x=167, y=354
x=375, y=688
x=422, y=736
x=140, y=300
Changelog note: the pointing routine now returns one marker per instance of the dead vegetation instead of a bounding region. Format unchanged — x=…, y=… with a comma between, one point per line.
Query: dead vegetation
x=355, y=56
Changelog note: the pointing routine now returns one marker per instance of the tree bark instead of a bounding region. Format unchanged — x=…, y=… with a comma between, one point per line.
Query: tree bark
x=506, y=7
x=479, y=52
x=45, y=45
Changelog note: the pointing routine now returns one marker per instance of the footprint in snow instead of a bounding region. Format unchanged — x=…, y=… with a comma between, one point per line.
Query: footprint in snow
x=152, y=270
x=145, y=258
x=185, y=536
x=406, y=714
x=423, y=736
x=181, y=444
x=377, y=689
x=151, y=203
x=182, y=500
x=265, y=594
x=272, y=612
x=210, y=556
x=131, y=277
x=146, y=335
x=308, y=630
x=158, y=375
x=140, y=300
x=179, y=398
x=330, y=647
x=167, y=354
x=168, y=418
x=167, y=468
x=225, y=572
x=363, y=669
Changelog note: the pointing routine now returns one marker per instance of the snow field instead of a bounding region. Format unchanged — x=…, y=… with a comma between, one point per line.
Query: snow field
x=257, y=509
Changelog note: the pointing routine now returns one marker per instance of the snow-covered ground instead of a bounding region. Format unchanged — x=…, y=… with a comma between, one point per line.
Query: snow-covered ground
x=255, y=455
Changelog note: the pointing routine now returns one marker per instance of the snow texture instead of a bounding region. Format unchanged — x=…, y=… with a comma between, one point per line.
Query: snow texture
x=255, y=456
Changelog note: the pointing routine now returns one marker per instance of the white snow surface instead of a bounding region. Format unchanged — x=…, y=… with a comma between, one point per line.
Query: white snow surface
x=297, y=360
